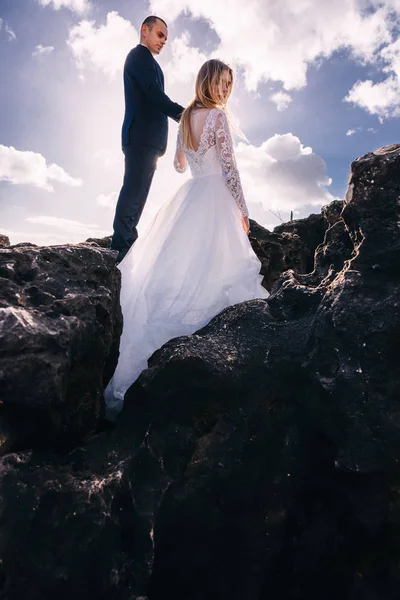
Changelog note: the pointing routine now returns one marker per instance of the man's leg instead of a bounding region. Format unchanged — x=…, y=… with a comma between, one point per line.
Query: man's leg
x=140, y=164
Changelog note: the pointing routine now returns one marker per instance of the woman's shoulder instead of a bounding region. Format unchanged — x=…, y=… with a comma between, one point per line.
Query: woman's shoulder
x=217, y=111
x=218, y=114
x=218, y=119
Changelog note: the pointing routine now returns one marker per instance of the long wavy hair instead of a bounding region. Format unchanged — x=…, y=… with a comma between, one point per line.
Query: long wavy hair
x=208, y=94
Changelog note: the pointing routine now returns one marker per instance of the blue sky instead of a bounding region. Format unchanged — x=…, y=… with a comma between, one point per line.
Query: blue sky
x=317, y=85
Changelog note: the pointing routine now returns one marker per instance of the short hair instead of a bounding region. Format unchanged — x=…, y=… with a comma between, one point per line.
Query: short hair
x=151, y=21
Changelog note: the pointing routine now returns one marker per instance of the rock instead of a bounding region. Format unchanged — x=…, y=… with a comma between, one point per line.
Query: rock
x=330, y=256
x=102, y=242
x=74, y=519
x=331, y=212
x=355, y=340
x=59, y=329
x=4, y=241
x=277, y=253
x=314, y=392
x=292, y=246
x=310, y=231
x=294, y=296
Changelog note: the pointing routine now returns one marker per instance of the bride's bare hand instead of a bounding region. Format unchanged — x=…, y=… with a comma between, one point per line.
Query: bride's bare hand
x=246, y=224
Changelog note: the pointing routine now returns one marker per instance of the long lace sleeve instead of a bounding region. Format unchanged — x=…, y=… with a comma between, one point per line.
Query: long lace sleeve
x=228, y=163
x=180, y=162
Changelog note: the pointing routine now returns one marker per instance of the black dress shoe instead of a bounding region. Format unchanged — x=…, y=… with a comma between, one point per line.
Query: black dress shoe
x=121, y=255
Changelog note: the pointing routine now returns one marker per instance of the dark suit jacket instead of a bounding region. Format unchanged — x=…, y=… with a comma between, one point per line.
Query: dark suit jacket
x=147, y=107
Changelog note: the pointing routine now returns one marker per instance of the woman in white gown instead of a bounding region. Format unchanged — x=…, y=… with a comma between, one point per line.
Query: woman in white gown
x=195, y=258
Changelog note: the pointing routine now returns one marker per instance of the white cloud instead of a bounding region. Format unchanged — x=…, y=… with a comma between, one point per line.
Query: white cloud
x=42, y=50
x=282, y=100
x=279, y=41
x=104, y=47
x=107, y=201
x=359, y=130
x=186, y=60
x=290, y=36
x=41, y=238
x=7, y=29
x=69, y=226
x=46, y=230
x=58, y=230
x=281, y=175
x=30, y=168
x=11, y=33
x=381, y=98
x=77, y=6
x=316, y=30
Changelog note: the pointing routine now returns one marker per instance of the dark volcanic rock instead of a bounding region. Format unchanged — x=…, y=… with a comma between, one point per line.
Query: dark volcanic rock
x=4, y=241
x=331, y=212
x=102, y=242
x=277, y=253
x=291, y=477
x=294, y=296
x=257, y=459
x=355, y=341
x=310, y=230
x=59, y=327
x=292, y=246
x=330, y=256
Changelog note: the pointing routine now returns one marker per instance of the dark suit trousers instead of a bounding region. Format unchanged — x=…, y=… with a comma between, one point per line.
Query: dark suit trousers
x=140, y=164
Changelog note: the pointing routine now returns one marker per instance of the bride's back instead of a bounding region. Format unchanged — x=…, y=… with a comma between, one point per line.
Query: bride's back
x=212, y=150
x=197, y=121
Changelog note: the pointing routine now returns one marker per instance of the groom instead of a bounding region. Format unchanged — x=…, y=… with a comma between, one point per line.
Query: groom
x=144, y=130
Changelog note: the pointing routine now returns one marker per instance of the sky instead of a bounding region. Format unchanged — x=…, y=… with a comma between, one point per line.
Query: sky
x=317, y=84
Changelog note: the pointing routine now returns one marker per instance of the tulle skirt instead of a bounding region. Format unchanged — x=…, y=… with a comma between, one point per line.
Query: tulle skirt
x=194, y=260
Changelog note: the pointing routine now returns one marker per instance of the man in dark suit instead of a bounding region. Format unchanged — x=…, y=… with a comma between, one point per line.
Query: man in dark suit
x=144, y=130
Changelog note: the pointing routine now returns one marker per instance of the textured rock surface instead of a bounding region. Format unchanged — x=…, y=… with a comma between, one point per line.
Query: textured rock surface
x=256, y=459
x=291, y=245
x=291, y=490
x=102, y=242
x=4, y=241
x=59, y=324
x=310, y=231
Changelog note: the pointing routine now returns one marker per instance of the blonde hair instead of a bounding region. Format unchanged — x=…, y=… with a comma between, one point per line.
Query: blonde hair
x=208, y=94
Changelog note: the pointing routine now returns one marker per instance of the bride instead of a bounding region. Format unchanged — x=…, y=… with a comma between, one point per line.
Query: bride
x=195, y=258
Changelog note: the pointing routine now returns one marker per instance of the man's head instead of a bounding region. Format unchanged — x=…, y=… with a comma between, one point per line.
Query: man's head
x=154, y=34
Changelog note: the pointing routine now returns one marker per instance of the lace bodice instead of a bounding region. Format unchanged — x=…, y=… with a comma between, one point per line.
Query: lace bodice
x=214, y=155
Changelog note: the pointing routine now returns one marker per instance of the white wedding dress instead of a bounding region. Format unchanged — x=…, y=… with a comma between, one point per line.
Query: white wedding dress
x=194, y=260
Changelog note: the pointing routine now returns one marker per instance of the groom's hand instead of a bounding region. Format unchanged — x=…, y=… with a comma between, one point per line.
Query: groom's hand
x=246, y=224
